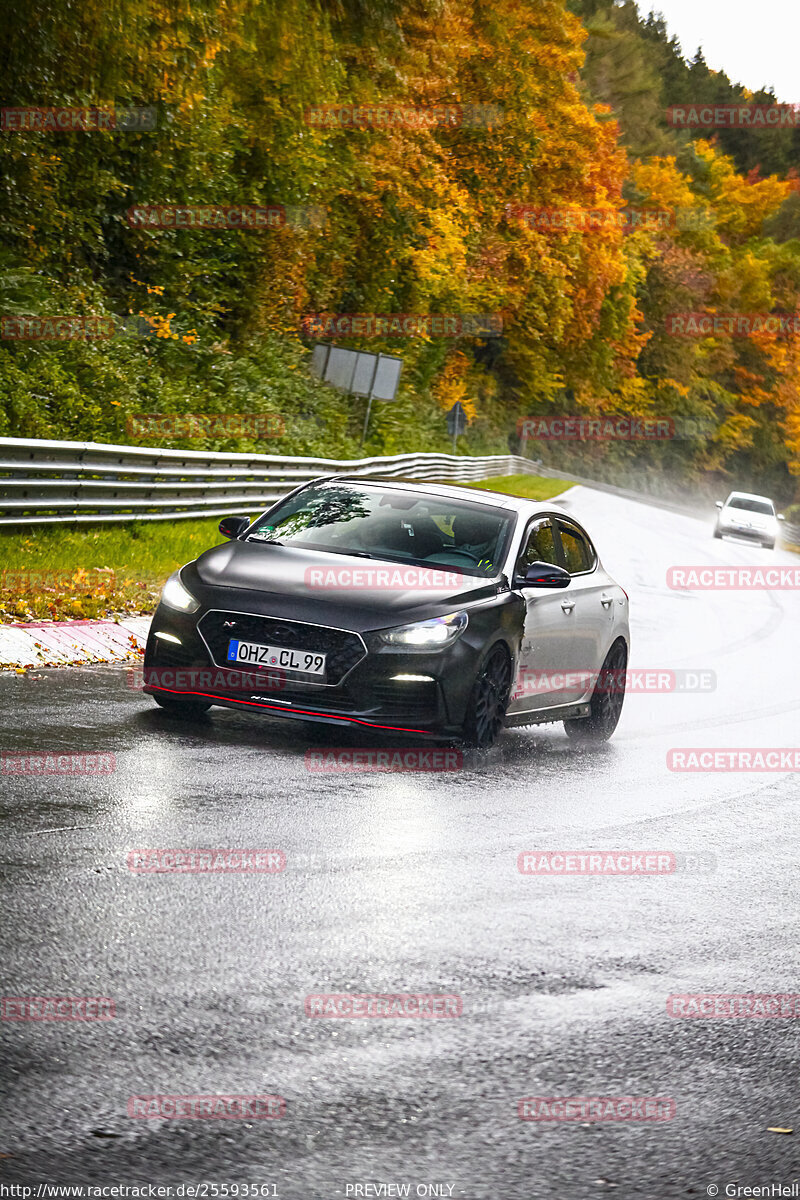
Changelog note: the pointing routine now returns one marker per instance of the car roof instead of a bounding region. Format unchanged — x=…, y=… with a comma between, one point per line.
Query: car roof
x=519, y=504
x=748, y=496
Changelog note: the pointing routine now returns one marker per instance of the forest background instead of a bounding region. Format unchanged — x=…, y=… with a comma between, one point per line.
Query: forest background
x=566, y=113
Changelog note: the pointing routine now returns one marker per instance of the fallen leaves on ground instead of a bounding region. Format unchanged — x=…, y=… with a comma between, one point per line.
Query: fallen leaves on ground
x=83, y=595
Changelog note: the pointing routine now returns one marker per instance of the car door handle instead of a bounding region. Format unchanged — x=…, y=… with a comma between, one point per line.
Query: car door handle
x=606, y=600
x=567, y=606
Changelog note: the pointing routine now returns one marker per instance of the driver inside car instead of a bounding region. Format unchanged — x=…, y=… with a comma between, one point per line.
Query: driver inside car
x=474, y=535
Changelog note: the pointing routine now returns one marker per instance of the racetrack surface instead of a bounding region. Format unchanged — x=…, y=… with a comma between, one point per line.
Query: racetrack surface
x=408, y=882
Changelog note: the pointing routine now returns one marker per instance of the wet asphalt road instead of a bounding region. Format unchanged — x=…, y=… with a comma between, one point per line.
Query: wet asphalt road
x=409, y=883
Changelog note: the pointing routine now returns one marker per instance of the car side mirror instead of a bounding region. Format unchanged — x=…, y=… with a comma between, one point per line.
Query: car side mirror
x=719, y=503
x=546, y=575
x=232, y=527
x=781, y=517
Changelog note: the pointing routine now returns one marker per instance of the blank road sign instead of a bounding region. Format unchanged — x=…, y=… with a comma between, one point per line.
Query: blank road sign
x=319, y=357
x=365, y=369
x=356, y=371
x=340, y=368
x=387, y=377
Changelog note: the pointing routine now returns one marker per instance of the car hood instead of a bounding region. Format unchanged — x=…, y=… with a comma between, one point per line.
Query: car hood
x=756, y=520
x=334, y=589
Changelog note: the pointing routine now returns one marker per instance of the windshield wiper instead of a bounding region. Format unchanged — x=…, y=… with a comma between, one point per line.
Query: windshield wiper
x=264, y=541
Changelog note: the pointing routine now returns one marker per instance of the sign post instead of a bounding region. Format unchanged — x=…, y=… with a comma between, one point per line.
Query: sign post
x=456, y=421
x=369, y=402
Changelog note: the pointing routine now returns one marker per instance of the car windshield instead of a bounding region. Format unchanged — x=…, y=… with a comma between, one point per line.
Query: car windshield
x=390, y=524
x=751, y=505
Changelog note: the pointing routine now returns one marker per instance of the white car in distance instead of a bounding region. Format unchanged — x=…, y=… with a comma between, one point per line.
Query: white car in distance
x=747, y=516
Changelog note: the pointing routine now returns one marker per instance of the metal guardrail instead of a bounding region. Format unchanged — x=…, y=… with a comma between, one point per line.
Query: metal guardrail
x=53, y=482
x=790, y=535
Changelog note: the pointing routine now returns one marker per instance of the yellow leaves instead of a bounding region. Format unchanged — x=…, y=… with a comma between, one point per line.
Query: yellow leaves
x=160, y=325
x=453, y=385
x=152, y=289
x=746, y=285
x=444, y=257
x=740, y=205
x=681, y=389
x=663, y=184
x=736, y=432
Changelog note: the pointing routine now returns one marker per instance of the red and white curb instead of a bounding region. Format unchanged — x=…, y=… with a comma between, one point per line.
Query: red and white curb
x=72, y=643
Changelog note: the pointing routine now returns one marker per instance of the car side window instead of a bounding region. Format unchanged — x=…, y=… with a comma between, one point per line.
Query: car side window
x=540, y=546
x=579, y=554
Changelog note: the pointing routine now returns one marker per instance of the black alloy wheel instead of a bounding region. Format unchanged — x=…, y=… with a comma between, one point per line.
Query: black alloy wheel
x=489, y=700
x=607, y=700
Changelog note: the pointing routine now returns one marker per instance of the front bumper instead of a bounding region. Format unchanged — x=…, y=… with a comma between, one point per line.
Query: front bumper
x=366, y=692
x=752, y=535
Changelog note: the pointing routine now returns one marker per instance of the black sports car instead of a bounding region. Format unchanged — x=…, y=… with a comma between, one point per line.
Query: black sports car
x=410, y=607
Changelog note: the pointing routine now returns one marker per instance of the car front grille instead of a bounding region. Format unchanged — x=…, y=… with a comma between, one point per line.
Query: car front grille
x=343, y=649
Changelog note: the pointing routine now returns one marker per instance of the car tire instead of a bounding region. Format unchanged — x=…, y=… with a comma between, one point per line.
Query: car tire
x=769, y=545
x=186, y=710
x=605, y=704
x=717, y=533
x=486, y=709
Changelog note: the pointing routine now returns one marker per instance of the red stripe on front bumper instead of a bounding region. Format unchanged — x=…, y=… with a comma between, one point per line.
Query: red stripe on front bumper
x=303, y=712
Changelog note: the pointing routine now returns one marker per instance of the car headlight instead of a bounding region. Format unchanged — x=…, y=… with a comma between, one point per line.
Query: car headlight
x=175, y=595
x=427, y=635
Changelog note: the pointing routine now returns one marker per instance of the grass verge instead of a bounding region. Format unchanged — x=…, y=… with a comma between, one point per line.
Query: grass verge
x=529, y=487
x=68, y=573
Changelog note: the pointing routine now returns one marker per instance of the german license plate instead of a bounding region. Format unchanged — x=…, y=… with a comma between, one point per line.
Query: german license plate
x=256, y=654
